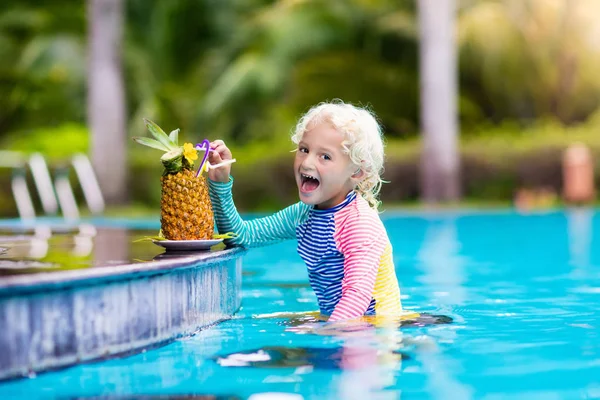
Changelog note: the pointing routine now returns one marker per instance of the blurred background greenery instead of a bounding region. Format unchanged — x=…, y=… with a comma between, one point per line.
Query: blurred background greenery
x=245, y=70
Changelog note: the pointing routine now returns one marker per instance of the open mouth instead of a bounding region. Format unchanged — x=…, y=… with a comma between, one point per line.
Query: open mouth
x=308, y=183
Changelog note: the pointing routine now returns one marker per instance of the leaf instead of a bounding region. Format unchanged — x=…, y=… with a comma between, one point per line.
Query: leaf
x=228, y=235
x=235, y=79
x=218, y=247
x=151, y=143
x=174, y=136
x=149, y=239
x=159, y=134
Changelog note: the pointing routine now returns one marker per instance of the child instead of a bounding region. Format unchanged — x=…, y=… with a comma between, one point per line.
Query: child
x=338, y=166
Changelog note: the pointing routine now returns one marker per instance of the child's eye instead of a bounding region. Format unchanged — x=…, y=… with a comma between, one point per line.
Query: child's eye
x=302, y=149
x=326, y=157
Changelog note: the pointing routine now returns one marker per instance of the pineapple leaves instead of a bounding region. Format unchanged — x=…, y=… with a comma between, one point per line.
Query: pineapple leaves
x=174, y=136
x=160, y=135
x=151, y=143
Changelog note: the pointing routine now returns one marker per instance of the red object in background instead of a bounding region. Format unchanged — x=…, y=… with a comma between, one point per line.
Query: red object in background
x=578, y=174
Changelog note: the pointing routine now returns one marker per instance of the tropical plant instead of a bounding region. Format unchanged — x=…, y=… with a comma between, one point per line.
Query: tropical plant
x=289, y=55
x=42, y=75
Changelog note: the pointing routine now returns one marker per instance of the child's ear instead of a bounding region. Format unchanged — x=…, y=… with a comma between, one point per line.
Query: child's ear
x=358, y=174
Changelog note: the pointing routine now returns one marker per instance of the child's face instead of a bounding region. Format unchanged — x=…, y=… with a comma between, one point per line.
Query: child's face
x=324, y=174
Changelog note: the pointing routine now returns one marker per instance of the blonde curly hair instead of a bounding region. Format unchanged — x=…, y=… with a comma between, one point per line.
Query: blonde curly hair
x=363, y=141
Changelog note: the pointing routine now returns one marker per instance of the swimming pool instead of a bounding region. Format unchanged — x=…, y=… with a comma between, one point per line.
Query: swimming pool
x=524, y=292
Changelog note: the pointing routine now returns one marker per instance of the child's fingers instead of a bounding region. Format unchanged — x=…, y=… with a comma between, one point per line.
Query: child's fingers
x=219, y=153
x=214, y=157
x=219, y=147
x=216, y=143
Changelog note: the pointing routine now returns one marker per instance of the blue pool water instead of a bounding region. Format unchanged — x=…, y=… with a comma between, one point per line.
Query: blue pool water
x=524, y=292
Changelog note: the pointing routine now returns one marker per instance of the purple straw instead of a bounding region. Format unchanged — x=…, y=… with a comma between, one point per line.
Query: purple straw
x=205, y=145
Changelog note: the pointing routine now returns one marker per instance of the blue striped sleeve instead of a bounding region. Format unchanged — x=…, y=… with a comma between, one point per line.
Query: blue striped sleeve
x=256, y=232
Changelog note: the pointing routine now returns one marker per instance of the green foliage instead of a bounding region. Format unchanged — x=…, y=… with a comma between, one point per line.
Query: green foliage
x=527, y=59
x=300, y=53
x=244, y=71
x=42, y=76
x=55, y=143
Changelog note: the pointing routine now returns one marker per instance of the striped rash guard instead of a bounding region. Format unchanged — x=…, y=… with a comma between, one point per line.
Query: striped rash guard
x=346, y=250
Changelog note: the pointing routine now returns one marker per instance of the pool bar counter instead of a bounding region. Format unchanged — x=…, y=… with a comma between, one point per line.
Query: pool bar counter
x=56, y=319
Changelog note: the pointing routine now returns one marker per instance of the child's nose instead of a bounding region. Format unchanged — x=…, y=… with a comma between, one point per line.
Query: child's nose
x=308, y=163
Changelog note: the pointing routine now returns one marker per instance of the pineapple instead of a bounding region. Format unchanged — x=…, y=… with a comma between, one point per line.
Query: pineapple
x=185, y=208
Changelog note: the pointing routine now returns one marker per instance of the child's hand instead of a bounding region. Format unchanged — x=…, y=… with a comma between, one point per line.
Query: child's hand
x=220, y=152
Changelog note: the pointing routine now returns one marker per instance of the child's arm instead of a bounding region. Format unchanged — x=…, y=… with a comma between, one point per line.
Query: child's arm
x=279, y=226
x=257, y=232
x=362, y=243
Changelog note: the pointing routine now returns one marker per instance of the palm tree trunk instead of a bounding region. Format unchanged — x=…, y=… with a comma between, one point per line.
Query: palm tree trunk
x=106, y=98
x=439, y=160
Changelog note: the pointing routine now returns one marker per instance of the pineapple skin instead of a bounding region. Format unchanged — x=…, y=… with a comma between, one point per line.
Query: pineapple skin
x=185, y=207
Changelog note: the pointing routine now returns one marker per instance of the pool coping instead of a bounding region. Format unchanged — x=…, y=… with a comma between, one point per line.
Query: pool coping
x=28, y=283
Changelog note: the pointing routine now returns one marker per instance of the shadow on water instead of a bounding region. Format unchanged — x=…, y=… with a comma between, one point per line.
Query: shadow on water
x=364, y=343
x=427, y=319
x=345, y=357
